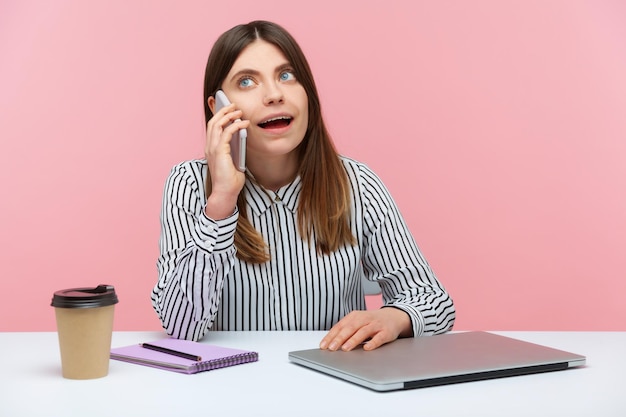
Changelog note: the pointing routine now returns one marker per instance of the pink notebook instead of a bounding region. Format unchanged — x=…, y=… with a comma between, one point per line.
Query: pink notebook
x=211, y=356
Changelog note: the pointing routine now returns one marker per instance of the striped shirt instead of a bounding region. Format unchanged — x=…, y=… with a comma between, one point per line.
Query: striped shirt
x=203, y=286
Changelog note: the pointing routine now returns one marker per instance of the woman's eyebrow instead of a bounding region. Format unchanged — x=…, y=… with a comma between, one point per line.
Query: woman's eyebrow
x=244, y=71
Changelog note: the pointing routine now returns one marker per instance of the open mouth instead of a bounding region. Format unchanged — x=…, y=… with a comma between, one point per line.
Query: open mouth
x=276, y=122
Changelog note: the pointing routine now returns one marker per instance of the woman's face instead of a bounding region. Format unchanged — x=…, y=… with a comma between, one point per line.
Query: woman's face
x=263, y=86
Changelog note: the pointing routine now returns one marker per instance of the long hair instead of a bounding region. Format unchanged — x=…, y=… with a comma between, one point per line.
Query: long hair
x=324, y=208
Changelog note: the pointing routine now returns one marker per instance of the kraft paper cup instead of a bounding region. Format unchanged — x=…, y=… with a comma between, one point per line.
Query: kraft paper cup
x=84, y=319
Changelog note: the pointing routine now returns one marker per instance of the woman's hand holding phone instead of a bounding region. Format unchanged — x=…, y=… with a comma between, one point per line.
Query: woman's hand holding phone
x=238, y=139
x=226, y=180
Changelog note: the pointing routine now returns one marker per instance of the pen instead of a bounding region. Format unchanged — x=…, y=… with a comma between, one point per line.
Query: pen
x=184, y=355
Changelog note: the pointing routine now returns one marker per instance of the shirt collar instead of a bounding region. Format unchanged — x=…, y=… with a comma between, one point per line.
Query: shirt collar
x=260, y=199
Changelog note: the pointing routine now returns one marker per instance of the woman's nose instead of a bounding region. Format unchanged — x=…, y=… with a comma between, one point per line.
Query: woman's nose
x=273, y=94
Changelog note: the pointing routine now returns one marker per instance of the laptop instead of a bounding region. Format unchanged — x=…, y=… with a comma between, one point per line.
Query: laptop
x=437, y=360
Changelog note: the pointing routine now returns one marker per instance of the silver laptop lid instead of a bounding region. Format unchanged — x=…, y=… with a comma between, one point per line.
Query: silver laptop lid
x=437, y=360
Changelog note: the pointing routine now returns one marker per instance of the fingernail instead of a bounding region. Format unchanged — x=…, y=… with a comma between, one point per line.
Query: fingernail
x=333, y=346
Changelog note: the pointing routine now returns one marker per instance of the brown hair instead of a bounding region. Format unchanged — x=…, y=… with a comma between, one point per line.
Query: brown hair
x=324, y=206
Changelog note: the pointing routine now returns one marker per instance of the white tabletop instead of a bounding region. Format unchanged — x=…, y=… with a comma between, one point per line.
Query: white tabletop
x=31, y=383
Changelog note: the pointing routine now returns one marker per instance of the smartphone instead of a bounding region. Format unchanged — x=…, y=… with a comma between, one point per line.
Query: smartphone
x=238, y=141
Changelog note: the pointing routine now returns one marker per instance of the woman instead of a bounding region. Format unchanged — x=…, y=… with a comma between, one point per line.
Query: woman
x=285, y=244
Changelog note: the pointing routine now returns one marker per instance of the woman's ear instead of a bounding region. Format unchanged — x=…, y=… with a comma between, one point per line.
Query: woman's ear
x=211, y=103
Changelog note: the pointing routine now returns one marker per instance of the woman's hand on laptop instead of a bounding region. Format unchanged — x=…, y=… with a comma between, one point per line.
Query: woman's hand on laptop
x=372, y=328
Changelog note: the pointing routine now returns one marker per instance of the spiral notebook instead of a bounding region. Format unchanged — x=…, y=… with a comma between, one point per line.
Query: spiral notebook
x=210, y=356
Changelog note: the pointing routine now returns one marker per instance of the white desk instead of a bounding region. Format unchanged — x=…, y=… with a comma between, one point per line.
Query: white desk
x=31, y=383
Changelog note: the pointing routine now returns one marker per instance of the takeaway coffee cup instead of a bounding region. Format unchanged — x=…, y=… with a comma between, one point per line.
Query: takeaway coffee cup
x=84, y=319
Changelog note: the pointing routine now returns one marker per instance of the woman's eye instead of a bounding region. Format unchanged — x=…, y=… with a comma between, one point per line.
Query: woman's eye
x=287, y=76
x=245, y=82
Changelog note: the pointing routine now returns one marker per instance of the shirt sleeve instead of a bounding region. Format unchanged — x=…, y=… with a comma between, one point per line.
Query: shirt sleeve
x=393, y=259
x=196, y=253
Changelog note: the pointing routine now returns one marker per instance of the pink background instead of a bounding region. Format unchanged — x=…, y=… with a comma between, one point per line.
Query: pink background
x=499, y=127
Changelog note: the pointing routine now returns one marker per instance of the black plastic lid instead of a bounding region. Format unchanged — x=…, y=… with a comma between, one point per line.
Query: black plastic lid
x=101, y=296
